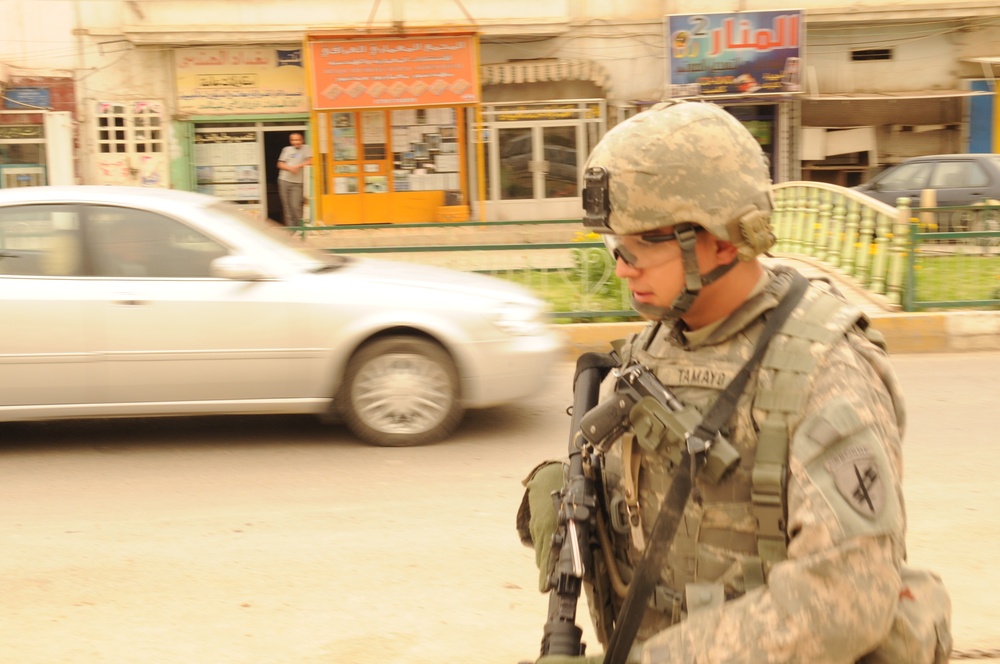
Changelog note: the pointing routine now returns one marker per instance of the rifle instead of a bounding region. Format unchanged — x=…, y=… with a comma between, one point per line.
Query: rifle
x=593, y=429
x=576, y=515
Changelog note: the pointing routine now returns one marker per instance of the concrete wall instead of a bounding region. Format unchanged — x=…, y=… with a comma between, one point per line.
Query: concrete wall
x=39, y=35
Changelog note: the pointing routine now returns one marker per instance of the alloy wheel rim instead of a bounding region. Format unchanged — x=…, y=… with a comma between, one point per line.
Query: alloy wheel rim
x=402, y=393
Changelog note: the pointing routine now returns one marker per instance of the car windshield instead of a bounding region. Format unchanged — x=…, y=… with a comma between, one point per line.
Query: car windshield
x=274, y=239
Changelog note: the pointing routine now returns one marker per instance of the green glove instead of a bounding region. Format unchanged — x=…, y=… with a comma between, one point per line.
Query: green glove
x=538, y=513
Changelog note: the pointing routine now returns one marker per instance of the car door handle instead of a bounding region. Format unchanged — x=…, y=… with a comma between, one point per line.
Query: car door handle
x=130, y=301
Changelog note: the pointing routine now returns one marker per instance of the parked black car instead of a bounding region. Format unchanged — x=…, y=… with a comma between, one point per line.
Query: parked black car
x=956, y=179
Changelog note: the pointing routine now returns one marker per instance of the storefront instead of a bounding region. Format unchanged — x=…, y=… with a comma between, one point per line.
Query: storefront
x=535, y=152
x=541, y=118
x=847, y=138
x=22, y=150
x=393, y=117
x=239, y=105
x=36, y=133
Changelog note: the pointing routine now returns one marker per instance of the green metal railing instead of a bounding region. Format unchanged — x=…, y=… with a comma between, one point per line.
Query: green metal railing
x=554, y=258
x=951, y=270
x=906, y=255
x=864, y=239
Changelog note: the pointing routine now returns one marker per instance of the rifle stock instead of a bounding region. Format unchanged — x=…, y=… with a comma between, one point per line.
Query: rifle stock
x=575, y=506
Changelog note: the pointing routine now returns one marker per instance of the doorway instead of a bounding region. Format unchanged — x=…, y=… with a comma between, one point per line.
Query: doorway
x=535, y=170
x=238, y=161
x=275, y=141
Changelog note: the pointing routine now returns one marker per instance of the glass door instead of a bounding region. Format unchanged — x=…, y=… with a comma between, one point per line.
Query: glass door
x=559, y=173
x=535, y=172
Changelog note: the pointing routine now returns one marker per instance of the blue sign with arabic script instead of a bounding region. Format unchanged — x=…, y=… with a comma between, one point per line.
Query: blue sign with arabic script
x=734, y=55
x=27, y=99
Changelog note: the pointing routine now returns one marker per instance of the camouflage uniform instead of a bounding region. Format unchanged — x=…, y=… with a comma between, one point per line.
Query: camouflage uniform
x=820, y=583
x=834, y=598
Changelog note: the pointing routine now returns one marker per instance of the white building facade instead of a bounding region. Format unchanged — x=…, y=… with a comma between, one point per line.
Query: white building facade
x=203, y=95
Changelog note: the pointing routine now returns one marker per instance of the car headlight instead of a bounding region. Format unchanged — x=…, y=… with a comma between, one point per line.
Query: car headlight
x=519, y=319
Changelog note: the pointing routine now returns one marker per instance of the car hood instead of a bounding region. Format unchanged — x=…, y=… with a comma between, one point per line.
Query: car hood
x=410, y=275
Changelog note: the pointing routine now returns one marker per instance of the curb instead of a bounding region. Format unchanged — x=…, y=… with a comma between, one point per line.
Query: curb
x=936, y=332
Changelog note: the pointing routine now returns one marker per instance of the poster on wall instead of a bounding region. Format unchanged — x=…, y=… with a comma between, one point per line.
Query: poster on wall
x=226, y=165
x=345, y=143
x=734, y=55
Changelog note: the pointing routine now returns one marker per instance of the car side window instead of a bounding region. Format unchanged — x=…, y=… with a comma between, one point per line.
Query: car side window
x=40, y=240
x=958, y=174
x=906, y=176
x=125, y=242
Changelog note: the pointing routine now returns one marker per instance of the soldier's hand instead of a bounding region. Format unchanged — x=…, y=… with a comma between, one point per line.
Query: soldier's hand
x=537, y=516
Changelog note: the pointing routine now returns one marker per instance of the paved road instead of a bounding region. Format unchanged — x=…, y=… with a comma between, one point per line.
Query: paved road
x=275, y=539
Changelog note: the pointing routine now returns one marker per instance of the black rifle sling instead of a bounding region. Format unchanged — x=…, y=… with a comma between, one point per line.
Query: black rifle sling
x=647, y=572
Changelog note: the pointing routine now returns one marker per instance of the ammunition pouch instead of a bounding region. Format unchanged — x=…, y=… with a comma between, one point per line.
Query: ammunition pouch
x=651, y=422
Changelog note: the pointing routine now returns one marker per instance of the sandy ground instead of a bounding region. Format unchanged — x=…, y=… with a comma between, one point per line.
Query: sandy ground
x=276, y=539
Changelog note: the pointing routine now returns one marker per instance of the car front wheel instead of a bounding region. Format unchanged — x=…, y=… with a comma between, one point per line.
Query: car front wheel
x=401, y=391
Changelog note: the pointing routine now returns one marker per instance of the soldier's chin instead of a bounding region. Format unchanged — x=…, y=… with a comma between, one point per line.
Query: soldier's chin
x=653, y=313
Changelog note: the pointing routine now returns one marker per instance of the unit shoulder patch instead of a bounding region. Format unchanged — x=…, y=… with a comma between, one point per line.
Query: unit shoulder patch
x=859, y=480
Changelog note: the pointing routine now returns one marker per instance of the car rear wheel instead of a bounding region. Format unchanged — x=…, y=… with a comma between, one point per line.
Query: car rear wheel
x=401, y=391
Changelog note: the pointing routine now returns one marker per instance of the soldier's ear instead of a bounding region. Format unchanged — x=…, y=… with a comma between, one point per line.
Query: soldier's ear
x=725, y=251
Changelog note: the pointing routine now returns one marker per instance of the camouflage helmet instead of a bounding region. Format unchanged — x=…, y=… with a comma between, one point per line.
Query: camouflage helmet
x=681, y=162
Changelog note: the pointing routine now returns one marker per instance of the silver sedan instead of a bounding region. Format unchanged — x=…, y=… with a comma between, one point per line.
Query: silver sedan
x=121, y=301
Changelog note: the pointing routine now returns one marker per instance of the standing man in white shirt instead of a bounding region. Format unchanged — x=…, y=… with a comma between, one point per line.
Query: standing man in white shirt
x=290, y=181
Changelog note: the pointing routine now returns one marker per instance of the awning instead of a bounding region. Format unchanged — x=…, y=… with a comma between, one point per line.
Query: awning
x=987, y=63
x=863, y=109
x=986, y=60
x=894, y=96
x=542, y=71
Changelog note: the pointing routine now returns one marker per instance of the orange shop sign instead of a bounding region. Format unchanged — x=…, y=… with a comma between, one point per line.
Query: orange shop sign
x=428, y=70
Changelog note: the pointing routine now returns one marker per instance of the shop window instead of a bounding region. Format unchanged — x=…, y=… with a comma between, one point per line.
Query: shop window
x=130, y=144
x=425, y=149
x=22, y=156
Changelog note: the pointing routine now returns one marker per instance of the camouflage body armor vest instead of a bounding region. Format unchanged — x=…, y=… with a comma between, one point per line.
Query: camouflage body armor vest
x=734, y=531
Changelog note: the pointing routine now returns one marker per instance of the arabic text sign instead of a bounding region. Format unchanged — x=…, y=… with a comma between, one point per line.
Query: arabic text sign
x=27, y=99
x=747, y=53
x=215, y=81
x=425, y=70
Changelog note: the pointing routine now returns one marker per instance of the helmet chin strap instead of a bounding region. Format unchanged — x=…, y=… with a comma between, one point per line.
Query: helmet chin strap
x=694, y=281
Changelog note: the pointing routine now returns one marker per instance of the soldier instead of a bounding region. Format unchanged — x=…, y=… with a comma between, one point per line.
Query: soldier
x=795, y=554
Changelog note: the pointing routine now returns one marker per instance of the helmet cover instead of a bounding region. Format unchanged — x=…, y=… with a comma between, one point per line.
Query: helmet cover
x=682, y=162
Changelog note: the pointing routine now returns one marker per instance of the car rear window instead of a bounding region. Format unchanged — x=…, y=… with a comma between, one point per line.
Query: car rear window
x=958, y=174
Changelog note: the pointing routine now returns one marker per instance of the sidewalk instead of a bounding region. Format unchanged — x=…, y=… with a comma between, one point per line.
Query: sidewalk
x=934, y=332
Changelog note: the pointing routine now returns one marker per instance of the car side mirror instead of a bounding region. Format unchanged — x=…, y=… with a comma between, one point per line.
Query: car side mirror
x=237, y=268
